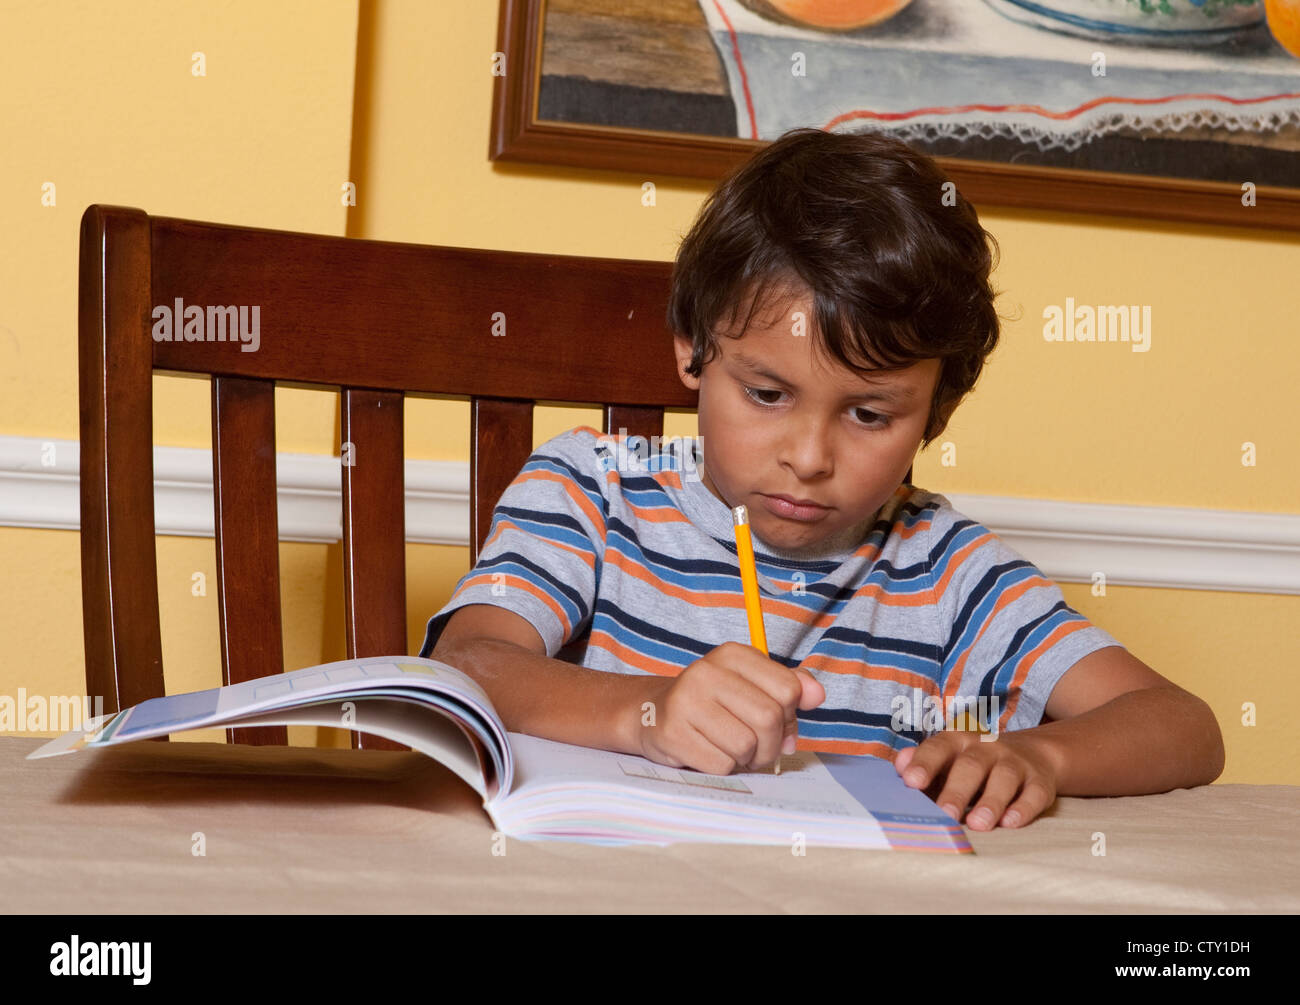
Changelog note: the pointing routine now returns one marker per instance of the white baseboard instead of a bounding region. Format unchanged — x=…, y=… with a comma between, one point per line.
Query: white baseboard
x=1194, y=549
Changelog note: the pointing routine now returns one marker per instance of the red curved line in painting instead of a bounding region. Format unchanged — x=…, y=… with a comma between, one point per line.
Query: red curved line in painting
x=1040, y=110
x=740, y=67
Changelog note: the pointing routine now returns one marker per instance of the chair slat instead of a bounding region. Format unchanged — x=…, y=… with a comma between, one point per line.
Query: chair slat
x=374, y=532
x=119, y=570
x=501, y=438
x=645, y=422
x=247, y=539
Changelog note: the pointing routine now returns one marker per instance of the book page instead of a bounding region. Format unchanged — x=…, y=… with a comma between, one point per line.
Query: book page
x=804, y=786
x=413, y=723
x=428, y=681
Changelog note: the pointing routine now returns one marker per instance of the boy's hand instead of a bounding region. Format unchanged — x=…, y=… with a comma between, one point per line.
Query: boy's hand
x=732, y=708
x=1015, y=764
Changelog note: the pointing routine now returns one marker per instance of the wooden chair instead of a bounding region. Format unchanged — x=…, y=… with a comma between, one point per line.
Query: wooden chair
x=374, y=319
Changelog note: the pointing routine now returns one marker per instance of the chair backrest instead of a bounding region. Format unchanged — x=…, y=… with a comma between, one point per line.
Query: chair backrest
x=376, y=320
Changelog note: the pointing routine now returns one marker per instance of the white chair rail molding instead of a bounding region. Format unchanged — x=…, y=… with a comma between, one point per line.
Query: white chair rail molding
x=1169, y=546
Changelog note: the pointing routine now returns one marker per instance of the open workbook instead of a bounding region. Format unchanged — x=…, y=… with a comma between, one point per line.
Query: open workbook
x=539, y=789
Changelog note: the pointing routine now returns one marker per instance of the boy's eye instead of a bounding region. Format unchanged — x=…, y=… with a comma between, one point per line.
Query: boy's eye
x=755, y=392
x=864, y=416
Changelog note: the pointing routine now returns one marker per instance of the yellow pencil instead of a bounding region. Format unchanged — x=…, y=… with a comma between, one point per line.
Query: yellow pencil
x=749, y=580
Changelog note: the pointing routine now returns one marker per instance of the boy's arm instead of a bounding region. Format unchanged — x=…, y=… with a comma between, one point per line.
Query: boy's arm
x=1119, y=729
x=536, y=694
x=733, y=707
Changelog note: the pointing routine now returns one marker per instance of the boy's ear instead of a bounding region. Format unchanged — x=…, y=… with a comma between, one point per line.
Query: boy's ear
x=683, y=349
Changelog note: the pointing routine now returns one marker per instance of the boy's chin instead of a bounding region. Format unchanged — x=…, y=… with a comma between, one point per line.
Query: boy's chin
x=794, y=535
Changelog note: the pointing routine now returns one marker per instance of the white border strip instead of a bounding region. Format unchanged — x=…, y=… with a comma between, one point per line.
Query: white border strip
x=309, y=497
x=1190, y=549
x=1169, y=546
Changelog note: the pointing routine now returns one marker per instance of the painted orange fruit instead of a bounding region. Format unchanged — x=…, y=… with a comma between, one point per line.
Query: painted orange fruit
x=831, y=15
x=1284, y=23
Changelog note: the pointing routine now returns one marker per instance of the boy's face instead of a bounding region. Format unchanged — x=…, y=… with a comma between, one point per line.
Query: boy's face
x=777, y=419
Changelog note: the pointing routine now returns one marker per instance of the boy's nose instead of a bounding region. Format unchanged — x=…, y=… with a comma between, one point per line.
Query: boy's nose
x=806, y=449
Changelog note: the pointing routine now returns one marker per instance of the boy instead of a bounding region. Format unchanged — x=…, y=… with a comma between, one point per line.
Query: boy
x=606, y=608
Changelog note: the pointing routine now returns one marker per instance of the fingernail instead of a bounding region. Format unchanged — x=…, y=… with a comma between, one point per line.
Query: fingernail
x=914, y=776
x=1012, y=819
x=982, y=818
x=950, y=809
x=788, y=744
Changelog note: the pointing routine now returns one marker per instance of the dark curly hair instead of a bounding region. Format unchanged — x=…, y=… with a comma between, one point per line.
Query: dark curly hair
x=897, y=265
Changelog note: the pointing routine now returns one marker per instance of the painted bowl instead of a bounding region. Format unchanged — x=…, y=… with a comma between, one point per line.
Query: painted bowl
x=1149, y=22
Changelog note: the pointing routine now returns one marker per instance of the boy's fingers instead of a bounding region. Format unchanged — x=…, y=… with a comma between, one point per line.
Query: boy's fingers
x=966, y=775
x=764, y=673
x=765, y=718
x=929, y=758
x=758, y=682
x=790, y=741
x=813, y=693
x=1001, y=787
x=1034, y=799
x=719, y=744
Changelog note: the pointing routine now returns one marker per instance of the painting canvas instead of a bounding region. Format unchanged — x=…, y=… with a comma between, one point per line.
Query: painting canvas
x=1203, y=91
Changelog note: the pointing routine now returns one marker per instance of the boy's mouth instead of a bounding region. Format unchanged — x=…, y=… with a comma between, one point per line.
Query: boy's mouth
x=794, y=509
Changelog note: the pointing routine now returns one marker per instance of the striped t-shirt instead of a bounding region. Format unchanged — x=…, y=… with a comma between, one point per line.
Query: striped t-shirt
x=627, y=563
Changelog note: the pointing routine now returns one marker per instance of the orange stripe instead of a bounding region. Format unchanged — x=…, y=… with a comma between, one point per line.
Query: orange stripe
x=869, y=671
x=872, y=748
x=695, y=598
x=1030, y=658
x=519, y=583
x=505, y=523
x=631, y=657
x=955, y=676
x=774, y=606
x=1026, y=662
x=576, y=494
x=656, y=514
x=668, y=478
x=1007, y=597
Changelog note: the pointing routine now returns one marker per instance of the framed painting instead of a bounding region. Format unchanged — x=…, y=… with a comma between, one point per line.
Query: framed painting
x=1184, y=110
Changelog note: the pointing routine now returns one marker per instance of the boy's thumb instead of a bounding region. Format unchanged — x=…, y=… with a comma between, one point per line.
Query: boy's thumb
x=813, y=693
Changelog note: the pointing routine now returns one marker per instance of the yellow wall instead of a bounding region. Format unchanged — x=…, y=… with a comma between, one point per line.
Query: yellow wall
x=302, y=96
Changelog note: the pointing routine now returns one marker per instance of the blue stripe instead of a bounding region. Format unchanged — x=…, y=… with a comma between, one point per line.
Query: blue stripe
x=1026, y=640
x=646, y=638
x=566, y=596
x=545, y=462
x=979, y=606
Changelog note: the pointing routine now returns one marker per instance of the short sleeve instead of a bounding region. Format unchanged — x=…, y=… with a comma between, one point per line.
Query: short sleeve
x=1005, y=630
x=542, y=558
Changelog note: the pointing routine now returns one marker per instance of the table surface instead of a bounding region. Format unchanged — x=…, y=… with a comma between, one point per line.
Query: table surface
x=306, y=830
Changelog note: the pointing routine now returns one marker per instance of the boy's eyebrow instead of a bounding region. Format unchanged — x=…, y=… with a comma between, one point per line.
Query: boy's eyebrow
x=895, y=393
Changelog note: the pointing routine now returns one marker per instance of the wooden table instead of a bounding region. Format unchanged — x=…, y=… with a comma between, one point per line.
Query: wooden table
x=301, y=830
